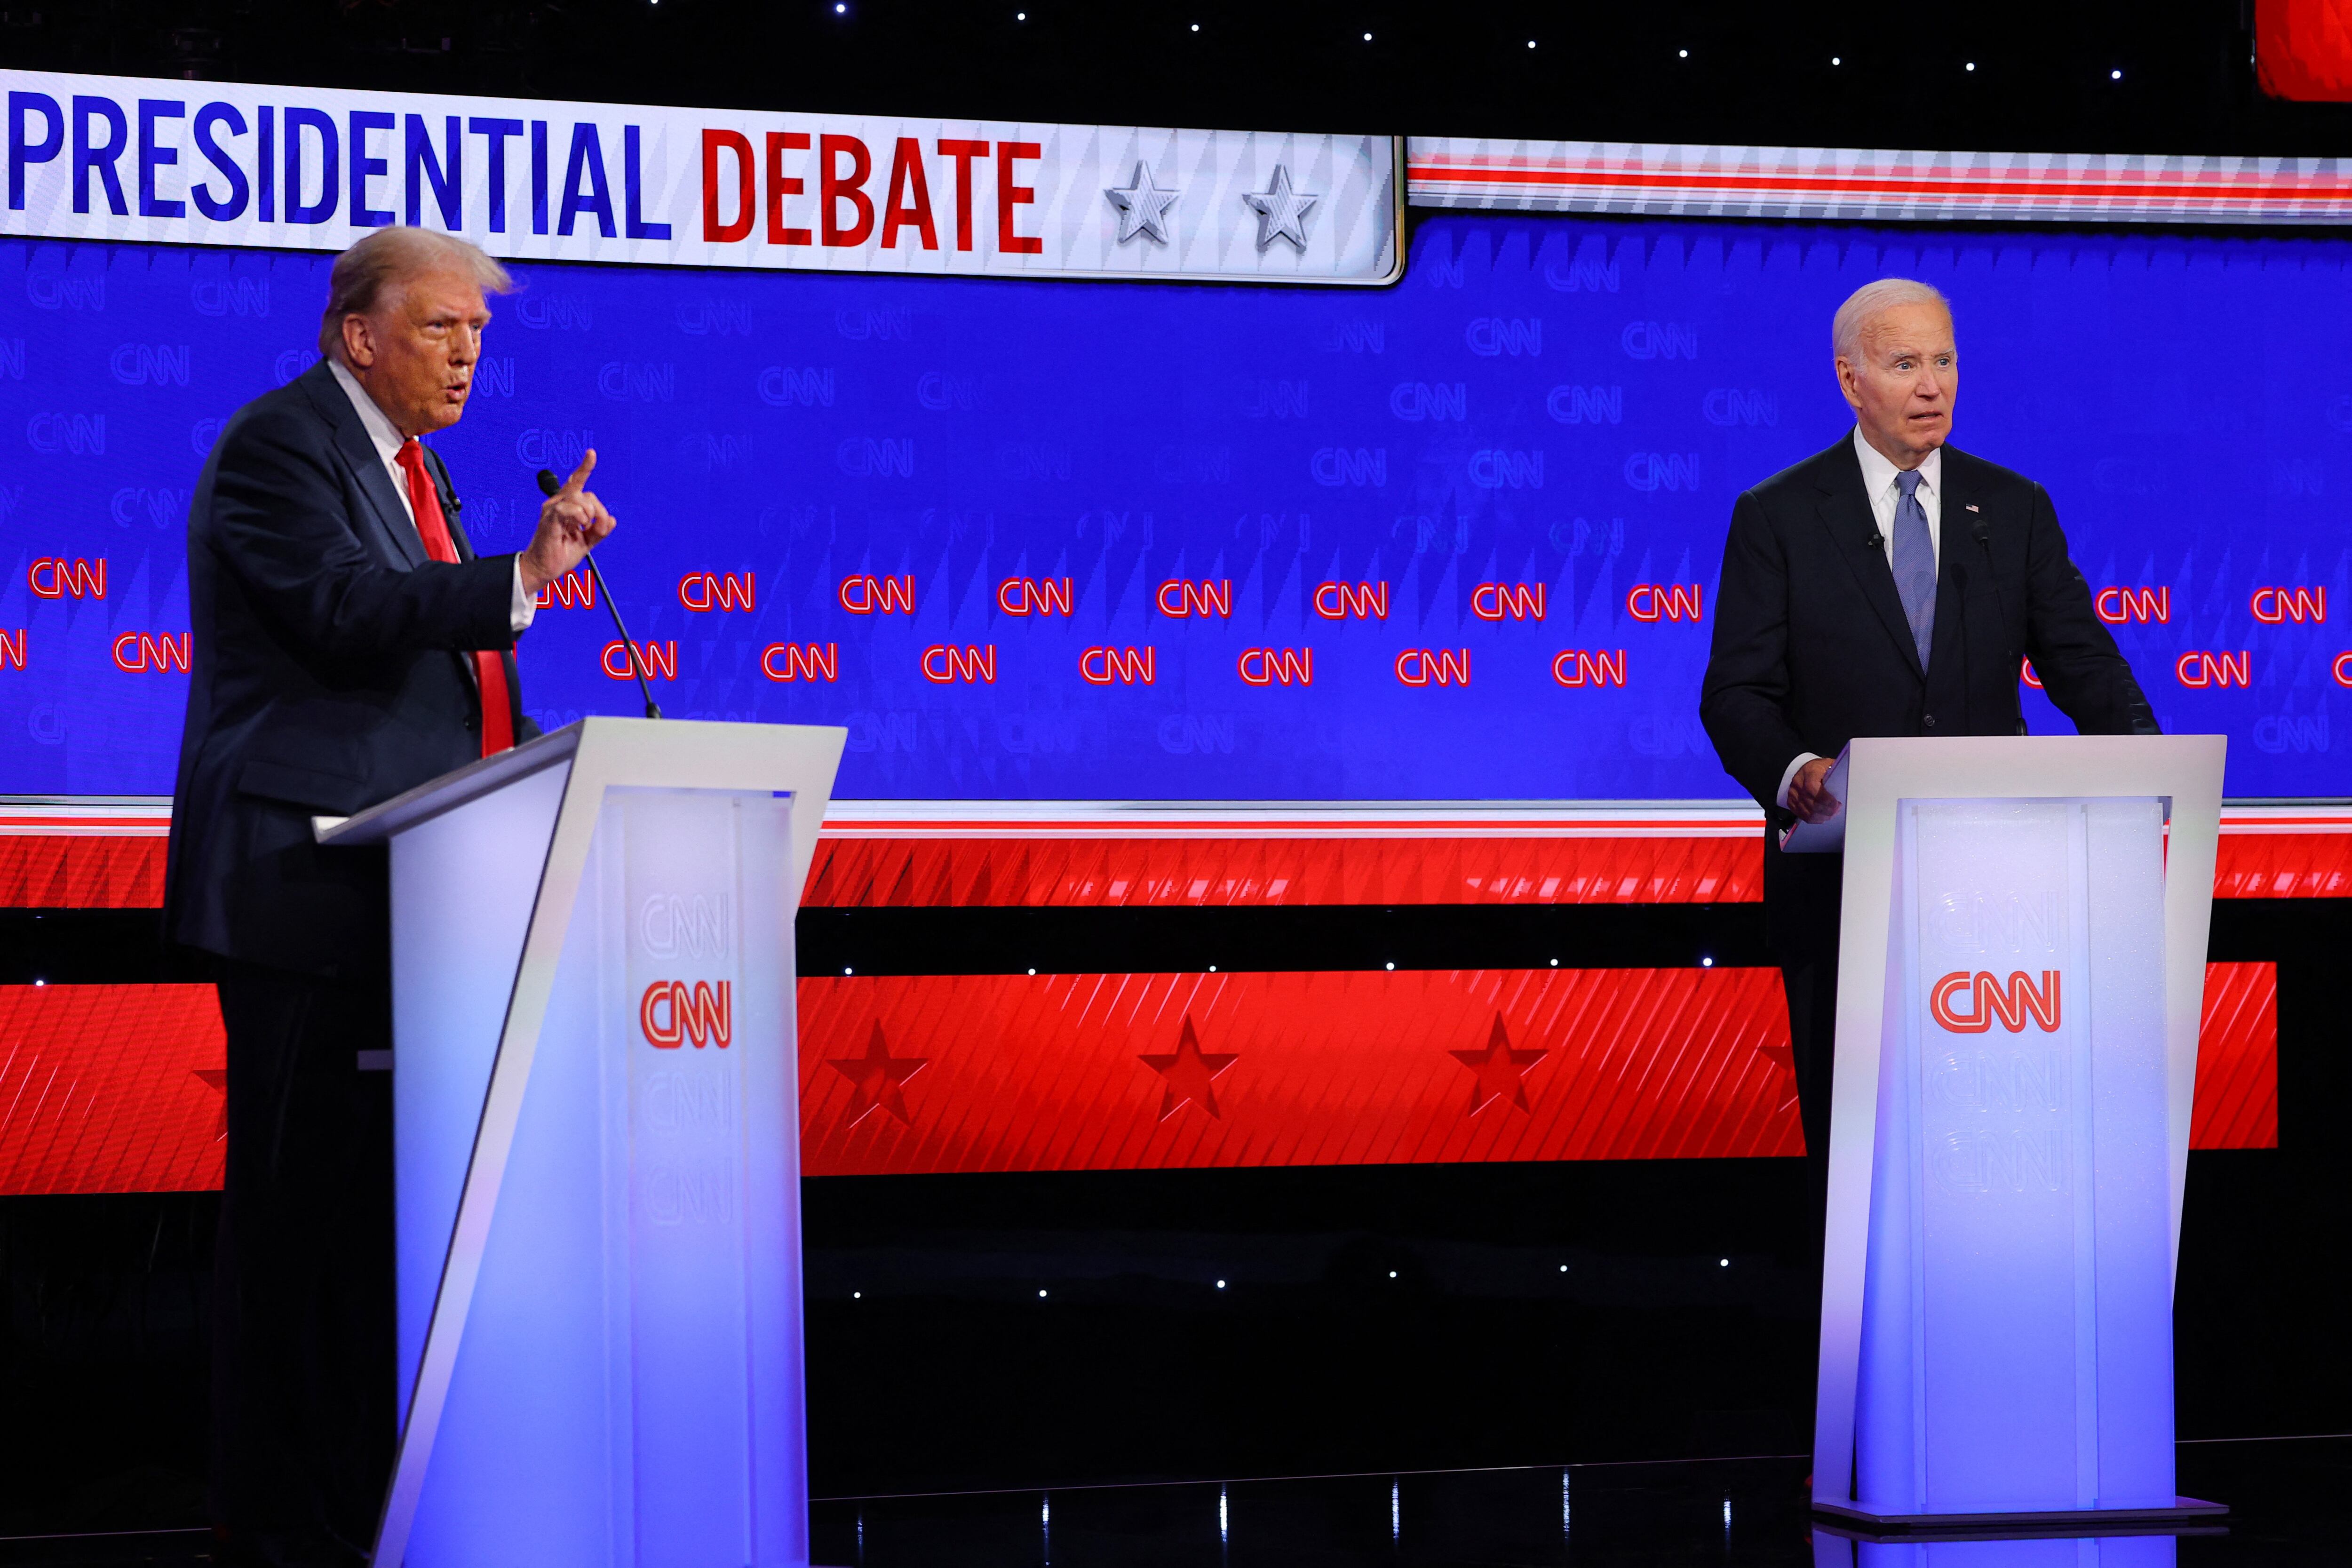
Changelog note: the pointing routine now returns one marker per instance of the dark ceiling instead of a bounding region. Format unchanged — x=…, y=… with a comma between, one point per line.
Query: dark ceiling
x=2045, y=77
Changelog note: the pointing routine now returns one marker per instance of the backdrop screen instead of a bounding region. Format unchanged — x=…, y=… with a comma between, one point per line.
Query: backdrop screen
x=1454, y=540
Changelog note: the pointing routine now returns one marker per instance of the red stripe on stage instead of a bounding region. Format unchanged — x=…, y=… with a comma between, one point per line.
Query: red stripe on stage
x=2237, y=1060
x=61, y=871
x=101, y=871
x=114, y=1089
x=110, y=1088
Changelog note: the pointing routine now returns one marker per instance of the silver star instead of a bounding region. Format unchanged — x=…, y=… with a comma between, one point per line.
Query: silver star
x=1281, y=211
x=1142, y=208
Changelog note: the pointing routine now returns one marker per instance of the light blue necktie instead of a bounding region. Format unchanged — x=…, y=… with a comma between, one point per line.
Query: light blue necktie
x=1914, y=563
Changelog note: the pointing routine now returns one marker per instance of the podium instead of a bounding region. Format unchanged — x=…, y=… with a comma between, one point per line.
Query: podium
x=2021, y=972
x=596, y=1148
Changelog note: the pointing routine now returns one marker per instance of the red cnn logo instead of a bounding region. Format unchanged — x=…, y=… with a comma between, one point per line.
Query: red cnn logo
x=1663, y=601
x=571, y=590
x=1178, y=599
x=1989, y=999
x=659, y=658
x=944, y=665
x=712, y=590
x=54, y=578
x=2116, y=606
x=795, y=661
x=139, y=653
x=1360, y=602
x=2272, y=606
x=1575, y=667
x=1269, y=666
x=2200, y=668
x=1493, y=601
x=1128, y=666
x=878, y=595
x=671, y=1013
x=1029, y=596
x=1433, y=666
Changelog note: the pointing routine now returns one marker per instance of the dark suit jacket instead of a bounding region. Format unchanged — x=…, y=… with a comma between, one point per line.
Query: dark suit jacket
x=327, y=677
x=1811, y=647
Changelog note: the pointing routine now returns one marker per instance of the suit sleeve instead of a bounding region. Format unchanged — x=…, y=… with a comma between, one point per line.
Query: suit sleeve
x=2075, y=656
x=278, y=523
x=1743, y=702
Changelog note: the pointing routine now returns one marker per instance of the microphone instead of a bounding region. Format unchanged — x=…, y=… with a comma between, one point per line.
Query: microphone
x=548, y=485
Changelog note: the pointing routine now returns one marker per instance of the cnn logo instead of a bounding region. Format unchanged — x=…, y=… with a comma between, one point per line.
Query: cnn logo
x=671, y=1012
x=1988, y=999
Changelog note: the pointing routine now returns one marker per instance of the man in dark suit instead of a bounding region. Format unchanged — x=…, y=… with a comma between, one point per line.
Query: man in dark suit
x=349, y=645
x=1889, y=585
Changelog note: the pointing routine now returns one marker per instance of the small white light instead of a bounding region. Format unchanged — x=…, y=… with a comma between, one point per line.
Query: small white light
x=1563, y=1269
x=1212, y=969
x=840, y=10
x=1041, y=1295
x=857, y=1295
x=844, y=969
x=1221, y=1284
x=1033, y=972
x=1682, y=54
x=1723, y=1263
x=1707, y=964
x=1392, y=1273
x=1555, y=963
x=1531, y=43
x=39, y=983
x=1196, y=26
x=2115, y=76
x=1391, y=963
x=1367, y=38
x=1972, y=64
x=1835, y=60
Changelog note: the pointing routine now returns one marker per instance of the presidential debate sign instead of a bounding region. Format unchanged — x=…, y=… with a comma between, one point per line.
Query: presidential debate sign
x=1454, y=540
x=118, y=158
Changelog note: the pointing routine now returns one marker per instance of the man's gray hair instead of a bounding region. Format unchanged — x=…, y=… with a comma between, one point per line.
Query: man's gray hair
x=390, y=257
x=1845, y=329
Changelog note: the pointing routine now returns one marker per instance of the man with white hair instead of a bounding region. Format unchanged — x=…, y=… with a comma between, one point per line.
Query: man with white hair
x=1889, y=585
x=349, y=645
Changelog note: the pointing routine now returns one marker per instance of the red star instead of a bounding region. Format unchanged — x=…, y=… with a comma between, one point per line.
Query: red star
x=1784, y=1055
x=1188, y=1072
x=877, y=1075
x=218, y=1077
x=1499, y=1069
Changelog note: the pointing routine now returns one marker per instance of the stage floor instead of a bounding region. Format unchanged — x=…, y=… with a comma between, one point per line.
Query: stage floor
x=2291, y=1502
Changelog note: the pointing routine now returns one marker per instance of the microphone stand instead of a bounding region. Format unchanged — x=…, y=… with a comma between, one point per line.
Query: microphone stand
x=549, y=484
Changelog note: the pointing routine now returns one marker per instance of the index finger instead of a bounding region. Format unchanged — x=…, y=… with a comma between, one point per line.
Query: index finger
x=572, y=487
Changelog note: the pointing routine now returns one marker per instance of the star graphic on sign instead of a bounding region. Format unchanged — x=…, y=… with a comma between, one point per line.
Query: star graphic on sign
x=1782, y=1055
x=1142, y=206
x=217, y=1079
x=1499, y=1069
x=1281, y=211
x=877, y=1075
x=1188, y=1072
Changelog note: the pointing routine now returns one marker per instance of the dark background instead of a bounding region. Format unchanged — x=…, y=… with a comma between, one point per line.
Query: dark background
x=946, y=1370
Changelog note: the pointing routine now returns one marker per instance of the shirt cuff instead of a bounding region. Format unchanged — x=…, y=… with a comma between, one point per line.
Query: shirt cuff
x=1790, y=776
x=522, y=609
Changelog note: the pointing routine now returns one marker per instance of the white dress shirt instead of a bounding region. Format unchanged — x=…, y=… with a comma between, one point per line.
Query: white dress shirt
x=1880, y=481
x=388, y=441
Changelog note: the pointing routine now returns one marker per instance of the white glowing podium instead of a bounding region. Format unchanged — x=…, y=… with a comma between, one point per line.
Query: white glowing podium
x=2020, y=971
x=596, y=1148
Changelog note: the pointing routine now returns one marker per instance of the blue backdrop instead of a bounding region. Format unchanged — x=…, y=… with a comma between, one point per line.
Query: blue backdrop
x=1542, y=402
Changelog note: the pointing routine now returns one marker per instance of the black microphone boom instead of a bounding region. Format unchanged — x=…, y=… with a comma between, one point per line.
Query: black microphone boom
x=548, y=485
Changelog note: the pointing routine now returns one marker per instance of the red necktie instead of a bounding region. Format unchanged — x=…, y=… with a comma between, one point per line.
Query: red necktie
x=498, y=715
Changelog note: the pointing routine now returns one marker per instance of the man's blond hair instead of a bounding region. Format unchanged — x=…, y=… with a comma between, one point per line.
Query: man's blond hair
x=389, y=257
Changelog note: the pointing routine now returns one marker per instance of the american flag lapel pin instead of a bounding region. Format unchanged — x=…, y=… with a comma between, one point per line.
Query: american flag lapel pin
x=1972, y=506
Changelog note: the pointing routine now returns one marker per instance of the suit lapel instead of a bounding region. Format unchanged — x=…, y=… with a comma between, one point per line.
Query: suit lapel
x=1844, y=512
x=359, y=454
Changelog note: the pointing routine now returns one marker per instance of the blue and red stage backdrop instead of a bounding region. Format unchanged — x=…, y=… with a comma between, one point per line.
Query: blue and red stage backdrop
x=1454, y=540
